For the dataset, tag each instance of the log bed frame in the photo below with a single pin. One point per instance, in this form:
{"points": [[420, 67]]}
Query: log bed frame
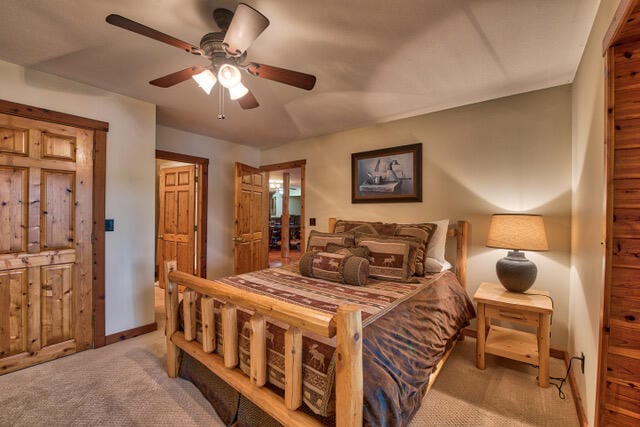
{"points": [[345, 325]]}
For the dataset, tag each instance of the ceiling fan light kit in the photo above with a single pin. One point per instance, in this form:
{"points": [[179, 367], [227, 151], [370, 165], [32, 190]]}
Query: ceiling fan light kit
{"points": [[226, 50], [237, 91], [206, 80], [229, 76]]}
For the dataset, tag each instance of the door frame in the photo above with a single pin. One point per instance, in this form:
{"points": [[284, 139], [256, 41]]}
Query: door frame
{"points": [[202, 195], [100, 129], [293, 165]]}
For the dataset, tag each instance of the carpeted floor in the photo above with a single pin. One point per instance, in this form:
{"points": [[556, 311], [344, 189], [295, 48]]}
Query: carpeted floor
{"points": [[126, 384]]}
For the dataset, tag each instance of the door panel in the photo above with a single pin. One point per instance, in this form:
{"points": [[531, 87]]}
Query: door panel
{"points": [[13, 215], [250, 231], [13, 312], [57, 203], [176, 220], [14, 140], [56, 299], [46, 196], [61, 147]]}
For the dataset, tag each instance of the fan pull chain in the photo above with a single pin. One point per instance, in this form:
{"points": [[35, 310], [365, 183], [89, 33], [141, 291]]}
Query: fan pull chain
{"points": [[221, 103]]}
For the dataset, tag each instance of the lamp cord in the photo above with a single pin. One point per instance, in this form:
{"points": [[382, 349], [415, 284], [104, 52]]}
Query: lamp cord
{"points": [[563, 380], [547, 296]]}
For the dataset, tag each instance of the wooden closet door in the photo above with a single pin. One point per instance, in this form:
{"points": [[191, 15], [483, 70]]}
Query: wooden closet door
{"points": [[619, 382], [46, 186], [177, 218], [251, 237]]}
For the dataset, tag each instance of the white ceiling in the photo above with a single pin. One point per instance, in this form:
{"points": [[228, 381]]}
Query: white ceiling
{"points": [[375, 60]]}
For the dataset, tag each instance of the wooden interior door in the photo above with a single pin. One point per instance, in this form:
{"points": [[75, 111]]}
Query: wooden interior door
{"points": [[618, 392], [177, 218], [250, 228], [46, 196]]}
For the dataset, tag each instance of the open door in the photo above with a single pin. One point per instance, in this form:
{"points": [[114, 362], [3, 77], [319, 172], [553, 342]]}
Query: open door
{"points": [[250, 230], [176, 222]]}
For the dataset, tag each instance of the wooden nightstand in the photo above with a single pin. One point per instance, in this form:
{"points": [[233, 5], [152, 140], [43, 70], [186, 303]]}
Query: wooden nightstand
{"points": [[495, 302]]}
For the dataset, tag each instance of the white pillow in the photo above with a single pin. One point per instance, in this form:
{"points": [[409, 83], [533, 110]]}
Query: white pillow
{"points": [[432, 265], [438, 240]]}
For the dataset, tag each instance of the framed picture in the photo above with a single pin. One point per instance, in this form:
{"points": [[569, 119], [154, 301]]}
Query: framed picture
{"points": [[389, 175]]}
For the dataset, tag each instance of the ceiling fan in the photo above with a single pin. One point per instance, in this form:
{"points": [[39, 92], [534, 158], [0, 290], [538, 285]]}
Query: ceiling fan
{"points": [[227, 51]]}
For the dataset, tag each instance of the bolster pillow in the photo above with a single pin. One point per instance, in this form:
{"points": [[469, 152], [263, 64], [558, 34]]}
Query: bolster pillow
{"points": [[336, 267]]}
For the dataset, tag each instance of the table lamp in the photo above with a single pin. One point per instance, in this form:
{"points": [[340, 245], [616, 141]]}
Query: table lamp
{"points": [[517, 232]]}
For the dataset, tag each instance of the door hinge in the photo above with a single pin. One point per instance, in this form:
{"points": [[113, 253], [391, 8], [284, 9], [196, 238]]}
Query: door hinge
{"points": [[195, 228], [195, 179]]}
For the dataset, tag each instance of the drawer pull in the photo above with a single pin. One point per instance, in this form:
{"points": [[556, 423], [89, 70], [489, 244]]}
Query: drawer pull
{"points": [[509, 315]]}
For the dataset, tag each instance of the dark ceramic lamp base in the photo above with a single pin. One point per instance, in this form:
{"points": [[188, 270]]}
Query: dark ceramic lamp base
{"points": [[516, 273]]}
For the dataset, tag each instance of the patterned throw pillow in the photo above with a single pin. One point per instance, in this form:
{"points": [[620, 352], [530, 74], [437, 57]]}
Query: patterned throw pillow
{"points": [[336, 267], [359, 251], [369, 227], [319, 241], [390, 258], [424, 232]]}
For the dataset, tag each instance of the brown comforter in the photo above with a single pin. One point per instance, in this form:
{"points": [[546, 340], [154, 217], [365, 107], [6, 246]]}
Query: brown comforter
{"points": [[407, 327]]}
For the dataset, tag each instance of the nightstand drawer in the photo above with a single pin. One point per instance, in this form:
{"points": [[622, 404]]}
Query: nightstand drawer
{"points": [[512, 315]]}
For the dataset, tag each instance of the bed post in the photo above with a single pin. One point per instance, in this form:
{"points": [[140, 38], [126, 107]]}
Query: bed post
{"points": [[171, 309], [349, 382], [332, 225]]}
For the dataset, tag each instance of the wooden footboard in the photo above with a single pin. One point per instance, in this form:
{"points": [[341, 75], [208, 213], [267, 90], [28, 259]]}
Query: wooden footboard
{"points": [[346, 326]]}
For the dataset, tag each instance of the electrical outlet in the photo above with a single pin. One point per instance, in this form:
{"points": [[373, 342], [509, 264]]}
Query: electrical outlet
{"points": [[582, 360]]}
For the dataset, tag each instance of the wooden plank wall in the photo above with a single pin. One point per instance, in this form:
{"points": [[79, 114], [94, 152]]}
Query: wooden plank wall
{"points": [[620, 358]]}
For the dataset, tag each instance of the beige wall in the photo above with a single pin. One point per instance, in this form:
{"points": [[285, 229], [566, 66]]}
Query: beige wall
{"points": [[588, 117], [221, 155], [507, 155], [130, 182]]}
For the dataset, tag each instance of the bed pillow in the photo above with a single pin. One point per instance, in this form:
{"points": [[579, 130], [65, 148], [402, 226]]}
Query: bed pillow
{"points": [[435, 249], [390, 258], [424, 233], [433, 265], [368, 227], [336, 267], [319, 241]]}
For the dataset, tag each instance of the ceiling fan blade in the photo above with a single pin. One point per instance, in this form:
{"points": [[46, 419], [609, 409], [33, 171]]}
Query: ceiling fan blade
{"points": [[128, 24], [282, 75], [247, 24], [248, 101], [177, 77]]}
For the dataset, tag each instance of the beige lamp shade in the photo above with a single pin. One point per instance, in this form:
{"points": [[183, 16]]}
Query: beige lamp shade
{"points": [[517, 231]]}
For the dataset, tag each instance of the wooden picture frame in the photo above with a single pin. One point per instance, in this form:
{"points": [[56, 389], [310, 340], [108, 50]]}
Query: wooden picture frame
{"points": [[388, 175]]}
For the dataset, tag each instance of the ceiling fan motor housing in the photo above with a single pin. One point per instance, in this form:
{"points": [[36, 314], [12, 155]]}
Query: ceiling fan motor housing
{"points": [[211, 44]]}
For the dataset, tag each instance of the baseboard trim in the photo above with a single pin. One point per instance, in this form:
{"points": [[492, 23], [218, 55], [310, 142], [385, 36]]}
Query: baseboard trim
{"points": [[577, 400], [553, 352], [130, 333]]}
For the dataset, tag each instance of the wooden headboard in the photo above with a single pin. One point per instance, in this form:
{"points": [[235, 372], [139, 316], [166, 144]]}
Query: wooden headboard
{"points": [[460, 231]]}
